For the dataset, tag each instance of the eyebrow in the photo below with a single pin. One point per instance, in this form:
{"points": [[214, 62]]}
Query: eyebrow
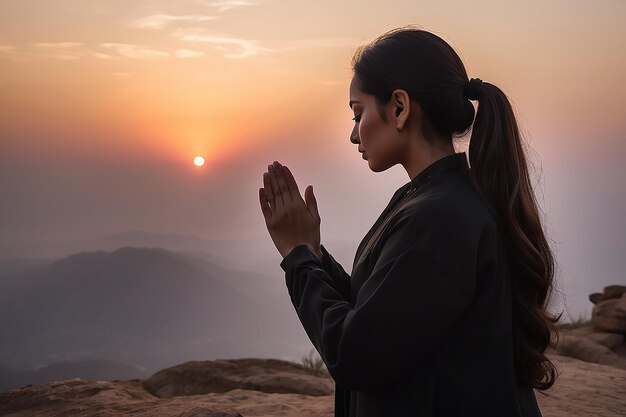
{"points": [[352, 102]]}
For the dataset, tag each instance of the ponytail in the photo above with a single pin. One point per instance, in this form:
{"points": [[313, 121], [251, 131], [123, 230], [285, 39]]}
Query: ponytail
{"points": [[500, 172]]}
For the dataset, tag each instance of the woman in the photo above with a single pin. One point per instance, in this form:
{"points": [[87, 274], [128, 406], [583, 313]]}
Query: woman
{"points": [[445, 311]]}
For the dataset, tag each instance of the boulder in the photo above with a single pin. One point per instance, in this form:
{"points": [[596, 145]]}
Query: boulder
{"points": [[222, 375], [610, 340], [614, 291], [610, 315], [588, 350], [596, 297]]}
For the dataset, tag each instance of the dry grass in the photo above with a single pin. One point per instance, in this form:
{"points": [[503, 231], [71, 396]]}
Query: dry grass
{"points": [[314, 364], [581, 321]]}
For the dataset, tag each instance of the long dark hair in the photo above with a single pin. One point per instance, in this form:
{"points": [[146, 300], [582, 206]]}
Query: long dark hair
{"points": [[431, 72]]}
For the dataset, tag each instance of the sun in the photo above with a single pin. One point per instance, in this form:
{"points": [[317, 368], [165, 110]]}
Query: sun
{"points": [[198, 161]]}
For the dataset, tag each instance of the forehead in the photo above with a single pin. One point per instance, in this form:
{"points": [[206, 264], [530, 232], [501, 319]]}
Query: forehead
{"points": [[353, 87], [355, 93]]}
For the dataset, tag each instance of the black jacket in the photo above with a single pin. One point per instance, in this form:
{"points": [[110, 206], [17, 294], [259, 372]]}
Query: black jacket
{"points": [[423, 327]]}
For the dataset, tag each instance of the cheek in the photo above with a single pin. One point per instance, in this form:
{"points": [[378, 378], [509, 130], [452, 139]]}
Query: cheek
{"points": [[368, 131]]}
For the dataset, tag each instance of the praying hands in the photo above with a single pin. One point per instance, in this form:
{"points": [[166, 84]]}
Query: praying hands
{"points": [[290, 220]]}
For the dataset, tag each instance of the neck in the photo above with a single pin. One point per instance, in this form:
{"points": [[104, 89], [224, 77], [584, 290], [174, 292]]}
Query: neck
{"points": [[419, 158]]}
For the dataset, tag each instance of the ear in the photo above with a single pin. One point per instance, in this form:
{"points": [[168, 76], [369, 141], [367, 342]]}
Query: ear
{"points": [[401, 107]]}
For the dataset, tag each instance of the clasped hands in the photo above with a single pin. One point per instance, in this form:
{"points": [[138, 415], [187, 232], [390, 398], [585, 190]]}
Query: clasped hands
{"points": [[290, 220]]}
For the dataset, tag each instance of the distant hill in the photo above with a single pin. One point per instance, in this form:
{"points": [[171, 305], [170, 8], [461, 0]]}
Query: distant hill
{"points": [[241, 254], [57, 248], [145, 307]]}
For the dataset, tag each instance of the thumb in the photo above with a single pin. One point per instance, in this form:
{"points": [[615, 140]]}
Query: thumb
{"points": [[311, 202]]}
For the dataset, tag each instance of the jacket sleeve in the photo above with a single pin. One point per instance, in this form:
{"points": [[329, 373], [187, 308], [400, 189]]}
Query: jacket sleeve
{"points": [[401, 313], [339, 276]]}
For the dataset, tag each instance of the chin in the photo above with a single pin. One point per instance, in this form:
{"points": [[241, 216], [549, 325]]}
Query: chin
{"points": [[378, 168], [374, 167]]}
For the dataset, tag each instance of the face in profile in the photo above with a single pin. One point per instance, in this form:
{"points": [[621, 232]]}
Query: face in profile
{"points": [[377, 139]]}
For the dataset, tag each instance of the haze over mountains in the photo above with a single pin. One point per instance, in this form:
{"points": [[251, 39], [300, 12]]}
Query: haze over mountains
{"points": [[132, 311], [126, 305], [57, 248]]}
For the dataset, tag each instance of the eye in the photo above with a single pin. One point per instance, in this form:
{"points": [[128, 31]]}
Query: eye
{"points": [[357, 118]]}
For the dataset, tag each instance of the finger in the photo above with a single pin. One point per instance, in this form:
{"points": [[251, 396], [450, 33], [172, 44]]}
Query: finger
{"points": [[267, 189], [282, 184], [278, 199], [265, 208], [291, 183], [311, 202]]}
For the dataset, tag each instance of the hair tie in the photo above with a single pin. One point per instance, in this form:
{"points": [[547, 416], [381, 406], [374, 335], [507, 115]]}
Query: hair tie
{"points": [[472, 89]]}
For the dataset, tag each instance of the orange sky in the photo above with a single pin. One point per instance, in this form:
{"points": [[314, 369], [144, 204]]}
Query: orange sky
{"points": [[105, 104], [202, 77]]}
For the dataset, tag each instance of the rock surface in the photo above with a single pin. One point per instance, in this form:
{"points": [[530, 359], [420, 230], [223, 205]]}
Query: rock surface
{"points": [[614, 291], [582, 389], [78, 397], [586, 343], [596, 297], [265, 375], [590, 350], [610, 315]]}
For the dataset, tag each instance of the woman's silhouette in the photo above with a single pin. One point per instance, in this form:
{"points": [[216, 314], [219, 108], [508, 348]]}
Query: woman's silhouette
{"points": [[445, 311]]}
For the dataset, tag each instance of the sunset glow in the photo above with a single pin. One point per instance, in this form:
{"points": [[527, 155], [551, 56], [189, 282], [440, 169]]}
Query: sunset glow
{"points": [[173, 77], [198, 161]]}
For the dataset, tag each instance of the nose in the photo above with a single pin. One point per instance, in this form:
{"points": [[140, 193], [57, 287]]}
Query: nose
{"points": [[354, 136]]}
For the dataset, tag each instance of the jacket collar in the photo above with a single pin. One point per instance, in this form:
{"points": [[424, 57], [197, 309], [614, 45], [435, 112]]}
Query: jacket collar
{"points": [[455, 161]]}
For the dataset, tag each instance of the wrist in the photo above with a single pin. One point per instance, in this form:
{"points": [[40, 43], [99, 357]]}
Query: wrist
{"points": [[317, 252]]}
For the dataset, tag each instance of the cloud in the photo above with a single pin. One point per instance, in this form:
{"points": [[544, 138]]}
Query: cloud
{"points": [[55, 50], [189, 53], [101, 56], [65, 57], [57, 45], [133, 51], [222, 6], [159, 21], [232, 47]]}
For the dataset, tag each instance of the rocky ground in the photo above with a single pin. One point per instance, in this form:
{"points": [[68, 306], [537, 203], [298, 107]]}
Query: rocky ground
{"points": [[267, 387], [590, 358], [584, 389]]}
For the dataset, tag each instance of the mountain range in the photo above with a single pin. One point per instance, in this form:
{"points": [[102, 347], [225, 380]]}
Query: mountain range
{"points": [[137, 310]]}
